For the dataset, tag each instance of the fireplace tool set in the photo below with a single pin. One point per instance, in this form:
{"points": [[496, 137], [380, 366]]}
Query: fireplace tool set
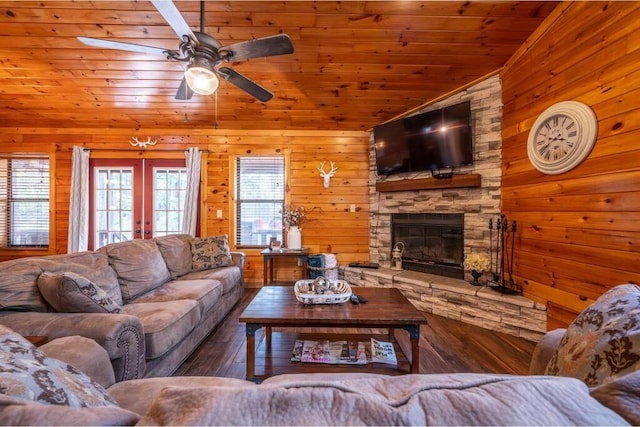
{"points": [[501, 250]]}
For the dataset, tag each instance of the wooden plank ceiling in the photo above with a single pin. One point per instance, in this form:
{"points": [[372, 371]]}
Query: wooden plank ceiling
{"points": [[356, 64]]}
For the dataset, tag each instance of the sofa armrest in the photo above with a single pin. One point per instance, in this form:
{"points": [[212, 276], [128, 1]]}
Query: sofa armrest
{"points": [[121, 335], [84, 354], [238, 259], [544, 350]]}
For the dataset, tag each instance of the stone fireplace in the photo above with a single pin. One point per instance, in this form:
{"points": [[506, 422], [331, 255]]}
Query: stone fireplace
{"points": [[475, 205], [464, 211], [433, 242]]}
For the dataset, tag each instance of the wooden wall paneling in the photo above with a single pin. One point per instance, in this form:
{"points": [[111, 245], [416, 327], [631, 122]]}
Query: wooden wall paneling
{"points": [[332, 227], [578, 231]]}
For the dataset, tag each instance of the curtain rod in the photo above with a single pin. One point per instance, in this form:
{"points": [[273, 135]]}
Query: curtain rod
{"points": [[140, 151]]}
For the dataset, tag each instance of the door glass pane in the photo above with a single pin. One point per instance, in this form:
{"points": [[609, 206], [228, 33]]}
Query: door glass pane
{"points": [[169, 193], [113, 216]]}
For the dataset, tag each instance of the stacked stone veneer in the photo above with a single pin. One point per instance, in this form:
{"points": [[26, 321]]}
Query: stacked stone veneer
{"points": [[477, 204], [453, 298], [457, 299]]}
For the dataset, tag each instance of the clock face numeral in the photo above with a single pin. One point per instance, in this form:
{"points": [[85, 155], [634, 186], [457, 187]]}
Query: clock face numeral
{"points": [[556, 137]]}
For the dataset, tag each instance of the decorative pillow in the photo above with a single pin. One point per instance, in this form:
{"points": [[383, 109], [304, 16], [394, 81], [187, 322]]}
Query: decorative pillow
{"points": [[622, 395], [71, 293], [210, 252], [603, 342], [92, 265], [27, 373]]}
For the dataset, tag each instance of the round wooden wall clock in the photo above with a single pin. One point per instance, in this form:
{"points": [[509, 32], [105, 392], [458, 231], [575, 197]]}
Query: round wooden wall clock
{"points": [[562, 137]]}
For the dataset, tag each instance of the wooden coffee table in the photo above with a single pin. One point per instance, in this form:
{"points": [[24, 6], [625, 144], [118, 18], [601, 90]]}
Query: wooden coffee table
{"points": [[276, 306]]}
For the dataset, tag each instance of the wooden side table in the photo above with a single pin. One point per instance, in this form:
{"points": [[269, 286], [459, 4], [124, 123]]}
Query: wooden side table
{"points": [[269, 256]]}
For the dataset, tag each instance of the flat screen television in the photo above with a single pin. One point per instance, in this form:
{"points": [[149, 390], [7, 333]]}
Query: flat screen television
{"points": [[431, 141]]}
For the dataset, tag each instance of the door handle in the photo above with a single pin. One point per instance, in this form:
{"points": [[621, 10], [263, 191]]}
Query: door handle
{"points": [[138, 231], [147, 232]]}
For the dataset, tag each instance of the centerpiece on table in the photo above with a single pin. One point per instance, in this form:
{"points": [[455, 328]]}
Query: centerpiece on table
{"points": [[477, 264], [292, 218]]}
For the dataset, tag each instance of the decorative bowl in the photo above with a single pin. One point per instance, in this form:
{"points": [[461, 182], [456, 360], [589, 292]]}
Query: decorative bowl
{"points": [[322, 291]]}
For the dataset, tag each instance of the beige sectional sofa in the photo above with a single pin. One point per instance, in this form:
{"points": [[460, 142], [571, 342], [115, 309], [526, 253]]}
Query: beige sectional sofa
{"points": [[309, 399], [148, 303], [588, 374]]}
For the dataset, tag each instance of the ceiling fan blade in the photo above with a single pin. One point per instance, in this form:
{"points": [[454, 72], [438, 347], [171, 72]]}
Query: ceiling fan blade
{"points": [[184, 92], [109, 44], [249, 86], [173, 17], [279, 44]]}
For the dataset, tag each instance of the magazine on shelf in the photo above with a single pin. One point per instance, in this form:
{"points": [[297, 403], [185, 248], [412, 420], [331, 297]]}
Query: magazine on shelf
{"points": [[383, 352], [343, 352]]}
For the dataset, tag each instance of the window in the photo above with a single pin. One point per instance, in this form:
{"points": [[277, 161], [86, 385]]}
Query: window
{"points": [[260, 199], [24, 201]]}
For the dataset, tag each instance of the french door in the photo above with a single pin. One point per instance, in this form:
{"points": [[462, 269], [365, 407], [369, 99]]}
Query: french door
{"points": [[135, 199]]}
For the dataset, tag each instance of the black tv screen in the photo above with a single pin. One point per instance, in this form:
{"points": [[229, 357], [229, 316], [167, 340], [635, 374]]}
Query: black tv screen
{"points": [[435, 140]]}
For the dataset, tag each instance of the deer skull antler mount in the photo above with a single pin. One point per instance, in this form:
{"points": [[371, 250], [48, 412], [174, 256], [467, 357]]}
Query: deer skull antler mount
{"points": [[142, 144], [326, 176]]}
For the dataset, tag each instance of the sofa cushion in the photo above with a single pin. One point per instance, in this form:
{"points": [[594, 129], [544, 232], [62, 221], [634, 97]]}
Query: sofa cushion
{"points": [[460, 399], [92, 265], [27, 373], [210, 252], [71, 293], [622, 394], [18, 288], [138, 395], [139, 266], [165, 324], [230, 277], [176, 251], [206, 292], [603, 342]]}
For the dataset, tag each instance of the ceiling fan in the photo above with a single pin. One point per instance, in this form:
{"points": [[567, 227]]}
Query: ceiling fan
{"points": [[204, 54]]}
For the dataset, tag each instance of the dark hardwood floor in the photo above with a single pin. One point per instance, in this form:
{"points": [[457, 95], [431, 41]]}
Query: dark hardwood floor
{"points": [[446, 346]]}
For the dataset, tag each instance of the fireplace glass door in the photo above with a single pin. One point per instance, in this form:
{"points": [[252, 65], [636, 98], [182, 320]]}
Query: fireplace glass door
{"points": [[433, 243]]}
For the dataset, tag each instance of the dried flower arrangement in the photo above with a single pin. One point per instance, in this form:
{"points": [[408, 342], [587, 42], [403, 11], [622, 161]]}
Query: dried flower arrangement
{"points": [[293, 216], [476, 261]]}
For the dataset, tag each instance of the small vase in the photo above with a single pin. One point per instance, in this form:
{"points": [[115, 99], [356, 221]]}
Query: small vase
{"points": [[294, 237], [476, 275]]}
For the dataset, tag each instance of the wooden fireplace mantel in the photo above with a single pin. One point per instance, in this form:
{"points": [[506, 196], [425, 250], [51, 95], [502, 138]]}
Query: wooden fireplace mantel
{"points": [[456, 181]]}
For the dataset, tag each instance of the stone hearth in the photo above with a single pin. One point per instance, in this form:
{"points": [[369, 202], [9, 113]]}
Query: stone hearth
{"points": [[456, 299]]}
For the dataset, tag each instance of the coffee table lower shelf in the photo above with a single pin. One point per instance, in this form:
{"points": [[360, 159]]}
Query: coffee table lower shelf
{"points": [[275, 359]]}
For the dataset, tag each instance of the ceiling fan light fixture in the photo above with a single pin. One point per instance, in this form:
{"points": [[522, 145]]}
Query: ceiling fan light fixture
{"points": [[200, 77]]}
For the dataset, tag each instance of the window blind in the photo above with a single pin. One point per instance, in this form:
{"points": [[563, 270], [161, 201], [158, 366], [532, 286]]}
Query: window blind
{"points": [[260, 199], [24, 201]]}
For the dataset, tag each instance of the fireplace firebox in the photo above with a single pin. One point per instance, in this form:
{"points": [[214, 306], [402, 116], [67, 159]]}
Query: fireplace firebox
{"points": [[433, 242]]}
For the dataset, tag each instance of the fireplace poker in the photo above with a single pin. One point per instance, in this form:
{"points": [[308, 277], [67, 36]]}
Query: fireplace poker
{"points": [[496, 275], [503, 231], [491, 245], [513, 237]]}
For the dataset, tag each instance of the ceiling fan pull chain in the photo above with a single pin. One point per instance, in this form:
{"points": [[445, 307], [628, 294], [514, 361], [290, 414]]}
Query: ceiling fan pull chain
{"points": [[215, 120]]}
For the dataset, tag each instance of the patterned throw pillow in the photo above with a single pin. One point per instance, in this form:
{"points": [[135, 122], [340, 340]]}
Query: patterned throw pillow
{"points": [[27, 373], [603, 342], [72, 293], [210, 252]]}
